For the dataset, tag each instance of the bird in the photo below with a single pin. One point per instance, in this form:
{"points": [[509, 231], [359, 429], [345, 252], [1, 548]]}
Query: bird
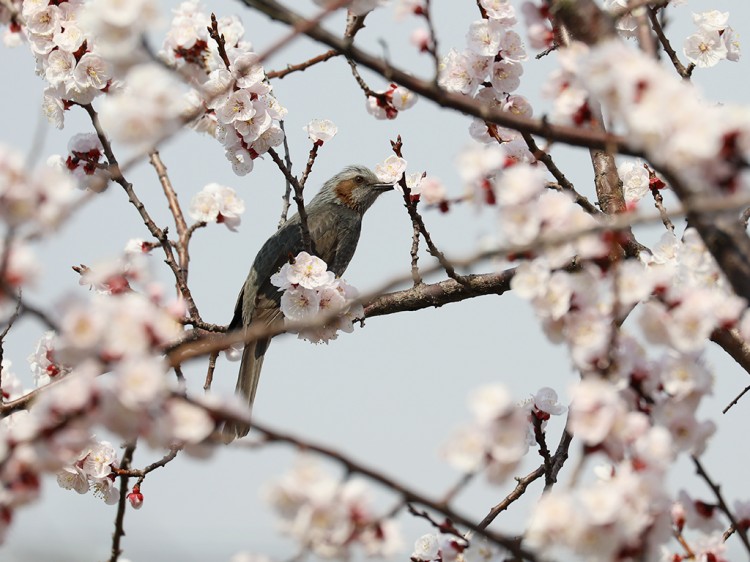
{"points": [[334, 221]]}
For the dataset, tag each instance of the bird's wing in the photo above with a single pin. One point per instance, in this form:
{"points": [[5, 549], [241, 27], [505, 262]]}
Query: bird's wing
{"points": [[286, 242]]}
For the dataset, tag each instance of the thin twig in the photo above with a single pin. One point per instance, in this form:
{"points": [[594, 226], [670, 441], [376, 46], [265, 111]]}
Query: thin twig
{"points": [[414, 252], [432, 48], [547, 51], [446, 527], [543, 449], [301, 67], [518, 491], [310, 161], [301, 26], [659, 204], [416, 218], [183, 233], [210, 371], [736, 399], [119, 531], [684, 72], [156, 232], [143, 472], [454, 490], [298, 198], [565, 185], [288, 185], [213, 32], [722, 504]]}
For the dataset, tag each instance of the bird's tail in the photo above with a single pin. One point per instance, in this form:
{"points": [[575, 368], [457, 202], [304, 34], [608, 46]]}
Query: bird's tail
{"points": [[247, 384]]}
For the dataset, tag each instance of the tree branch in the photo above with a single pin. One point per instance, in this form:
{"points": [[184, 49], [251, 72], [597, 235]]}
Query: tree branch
{"points": [[427, 89]]}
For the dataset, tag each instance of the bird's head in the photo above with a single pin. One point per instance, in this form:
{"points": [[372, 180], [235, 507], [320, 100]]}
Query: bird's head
{"points": [[355, 187]]}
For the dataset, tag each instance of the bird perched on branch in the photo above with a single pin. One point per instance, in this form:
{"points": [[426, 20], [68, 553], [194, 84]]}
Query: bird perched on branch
{"points": [[334, 220]]}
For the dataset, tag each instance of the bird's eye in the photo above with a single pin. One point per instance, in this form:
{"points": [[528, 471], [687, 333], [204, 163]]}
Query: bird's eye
{"points": [[359, 179]]}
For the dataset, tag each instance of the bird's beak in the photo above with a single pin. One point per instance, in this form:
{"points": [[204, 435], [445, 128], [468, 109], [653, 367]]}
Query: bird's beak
{"points": [[382, 186]]}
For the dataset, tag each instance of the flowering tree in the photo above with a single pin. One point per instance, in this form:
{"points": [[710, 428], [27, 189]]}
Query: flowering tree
{"points": [[635, 313]]}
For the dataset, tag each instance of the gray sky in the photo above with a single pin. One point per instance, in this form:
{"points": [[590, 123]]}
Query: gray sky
{"points": [[389, 394]]}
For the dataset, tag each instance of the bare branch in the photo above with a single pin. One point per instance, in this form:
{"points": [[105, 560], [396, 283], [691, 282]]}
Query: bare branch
{"points": [[301, 67], [715, 488], [298, 198], [684, 72], [119, 531]]}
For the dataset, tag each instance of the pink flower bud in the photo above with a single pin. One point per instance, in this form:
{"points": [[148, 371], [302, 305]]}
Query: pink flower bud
{"points": [[135, 497]]}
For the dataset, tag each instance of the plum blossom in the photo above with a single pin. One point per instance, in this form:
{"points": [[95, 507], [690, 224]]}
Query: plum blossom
{"points": [[635, 180], [427, 189], [219, 204], [320, 130], [426, 548], [499, 10], [705, 48], [519, 184], [484, 37], [391, 170], [308, 271], [505, 76], [713, 20], [386, 105]]}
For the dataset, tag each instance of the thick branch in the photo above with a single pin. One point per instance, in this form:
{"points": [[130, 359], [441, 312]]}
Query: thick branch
{"points": [[438, 294]]}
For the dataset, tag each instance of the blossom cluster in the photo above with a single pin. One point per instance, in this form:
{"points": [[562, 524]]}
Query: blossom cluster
{"points": [[108, 371], [644, 413], [40, 198], [490, 70], [66, 55], [703, 144], [232, 99], [529, 211], [310, 290], [714, 41], [331, 517], [501, 433], [93, 470]]}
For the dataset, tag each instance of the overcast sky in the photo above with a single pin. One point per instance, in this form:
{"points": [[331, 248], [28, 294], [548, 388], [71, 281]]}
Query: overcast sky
{"points": [[389, 394]]}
